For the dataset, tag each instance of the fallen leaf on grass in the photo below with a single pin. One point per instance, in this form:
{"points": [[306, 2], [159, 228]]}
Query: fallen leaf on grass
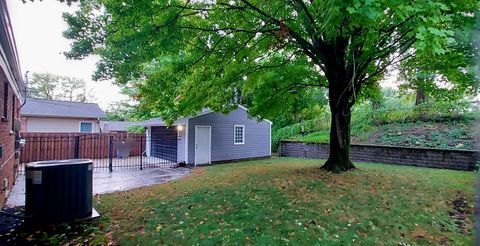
{"points": [[419, 233]]}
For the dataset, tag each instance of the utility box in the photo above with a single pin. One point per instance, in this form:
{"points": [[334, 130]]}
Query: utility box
{"points": [[58, 191]]}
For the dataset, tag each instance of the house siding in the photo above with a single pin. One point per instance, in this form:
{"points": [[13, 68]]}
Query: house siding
{"points": [[257, 136], [46, 124]]}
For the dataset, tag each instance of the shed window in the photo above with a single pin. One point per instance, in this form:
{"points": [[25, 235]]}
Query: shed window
{"points": [[86, 127], [239, 134]]}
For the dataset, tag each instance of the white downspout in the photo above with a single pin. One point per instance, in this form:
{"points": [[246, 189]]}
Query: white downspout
{"points": [[186, 141]]}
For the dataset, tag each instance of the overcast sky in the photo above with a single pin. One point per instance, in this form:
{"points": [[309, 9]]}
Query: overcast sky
{"points": [[38, 28], [38, 31]]}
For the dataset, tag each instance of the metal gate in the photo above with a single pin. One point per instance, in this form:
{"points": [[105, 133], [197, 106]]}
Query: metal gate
{"points": [[108, 151]]}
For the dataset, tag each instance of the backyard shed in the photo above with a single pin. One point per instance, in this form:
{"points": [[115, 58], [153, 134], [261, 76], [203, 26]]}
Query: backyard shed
{"points": [[209, 137]]}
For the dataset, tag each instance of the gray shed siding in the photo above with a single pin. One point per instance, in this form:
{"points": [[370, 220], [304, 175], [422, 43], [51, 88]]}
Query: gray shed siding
{"points": [[257, 136]]}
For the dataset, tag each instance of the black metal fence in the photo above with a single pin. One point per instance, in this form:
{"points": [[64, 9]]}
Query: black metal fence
{"points": [[108, 151]]}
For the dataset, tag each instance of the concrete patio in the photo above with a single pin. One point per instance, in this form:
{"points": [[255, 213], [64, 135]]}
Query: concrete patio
{"points": [[106, 182]]}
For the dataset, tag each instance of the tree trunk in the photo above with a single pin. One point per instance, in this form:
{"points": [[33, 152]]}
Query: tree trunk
{"points": [[376, 104], [341, 94], [421, 97], [339, 158]]}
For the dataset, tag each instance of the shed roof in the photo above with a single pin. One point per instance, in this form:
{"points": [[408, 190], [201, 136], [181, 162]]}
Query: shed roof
{"points": [[62, 109], [116, 126], [160, 122]]}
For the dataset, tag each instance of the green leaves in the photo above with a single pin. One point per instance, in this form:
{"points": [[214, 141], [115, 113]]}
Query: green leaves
{"points": [[266, 54], [447, 72]]}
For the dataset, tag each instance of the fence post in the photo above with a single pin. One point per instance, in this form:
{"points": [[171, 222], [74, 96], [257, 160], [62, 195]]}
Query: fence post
{"points": [[110, 153], [76, 146], [141, 153]]}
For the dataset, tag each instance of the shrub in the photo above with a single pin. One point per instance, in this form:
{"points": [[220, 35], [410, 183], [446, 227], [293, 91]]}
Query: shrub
{"points": [[309, 126], [365, 118]]}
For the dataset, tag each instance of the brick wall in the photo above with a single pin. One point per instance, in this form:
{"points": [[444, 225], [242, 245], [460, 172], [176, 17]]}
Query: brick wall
{"points": [[8, 161], [423, 157]]}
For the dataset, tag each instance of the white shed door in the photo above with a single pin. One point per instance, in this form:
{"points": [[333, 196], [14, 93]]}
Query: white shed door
{"points": [[202, 144]]}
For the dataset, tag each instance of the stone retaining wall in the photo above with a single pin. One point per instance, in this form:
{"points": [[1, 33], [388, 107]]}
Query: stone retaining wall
{"points": [[422, 157]]}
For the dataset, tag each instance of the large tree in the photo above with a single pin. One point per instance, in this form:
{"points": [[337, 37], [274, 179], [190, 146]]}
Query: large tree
{"points": [[193, 54]]}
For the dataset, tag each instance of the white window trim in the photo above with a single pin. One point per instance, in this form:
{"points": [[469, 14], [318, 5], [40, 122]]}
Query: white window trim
{"points": [[243, 134], [80, 126]]}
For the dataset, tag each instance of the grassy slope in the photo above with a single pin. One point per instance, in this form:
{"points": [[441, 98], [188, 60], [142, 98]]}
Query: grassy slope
{"points": [[449, 135], [290, 200]]}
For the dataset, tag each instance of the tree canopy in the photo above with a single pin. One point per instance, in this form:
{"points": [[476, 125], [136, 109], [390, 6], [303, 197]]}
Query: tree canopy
{"points": [[195, 54], [453, 75]]}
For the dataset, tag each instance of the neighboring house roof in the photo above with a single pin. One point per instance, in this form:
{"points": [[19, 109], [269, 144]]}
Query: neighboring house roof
{"points": [[62, 109], [9, 63], [160, 122], [115, 126]]}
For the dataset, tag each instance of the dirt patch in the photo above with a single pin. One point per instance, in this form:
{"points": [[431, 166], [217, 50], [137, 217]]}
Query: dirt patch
{"points": [[373, 138], [419, 234], [461, 212]]}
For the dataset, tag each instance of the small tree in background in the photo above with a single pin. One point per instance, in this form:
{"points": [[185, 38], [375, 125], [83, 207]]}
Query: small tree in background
{"points": [[54, 87], [129, 109], [451, 76], [43, 85]]}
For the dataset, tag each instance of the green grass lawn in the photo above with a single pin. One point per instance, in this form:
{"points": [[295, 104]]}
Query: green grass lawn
{"points": [[291, 201]]}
